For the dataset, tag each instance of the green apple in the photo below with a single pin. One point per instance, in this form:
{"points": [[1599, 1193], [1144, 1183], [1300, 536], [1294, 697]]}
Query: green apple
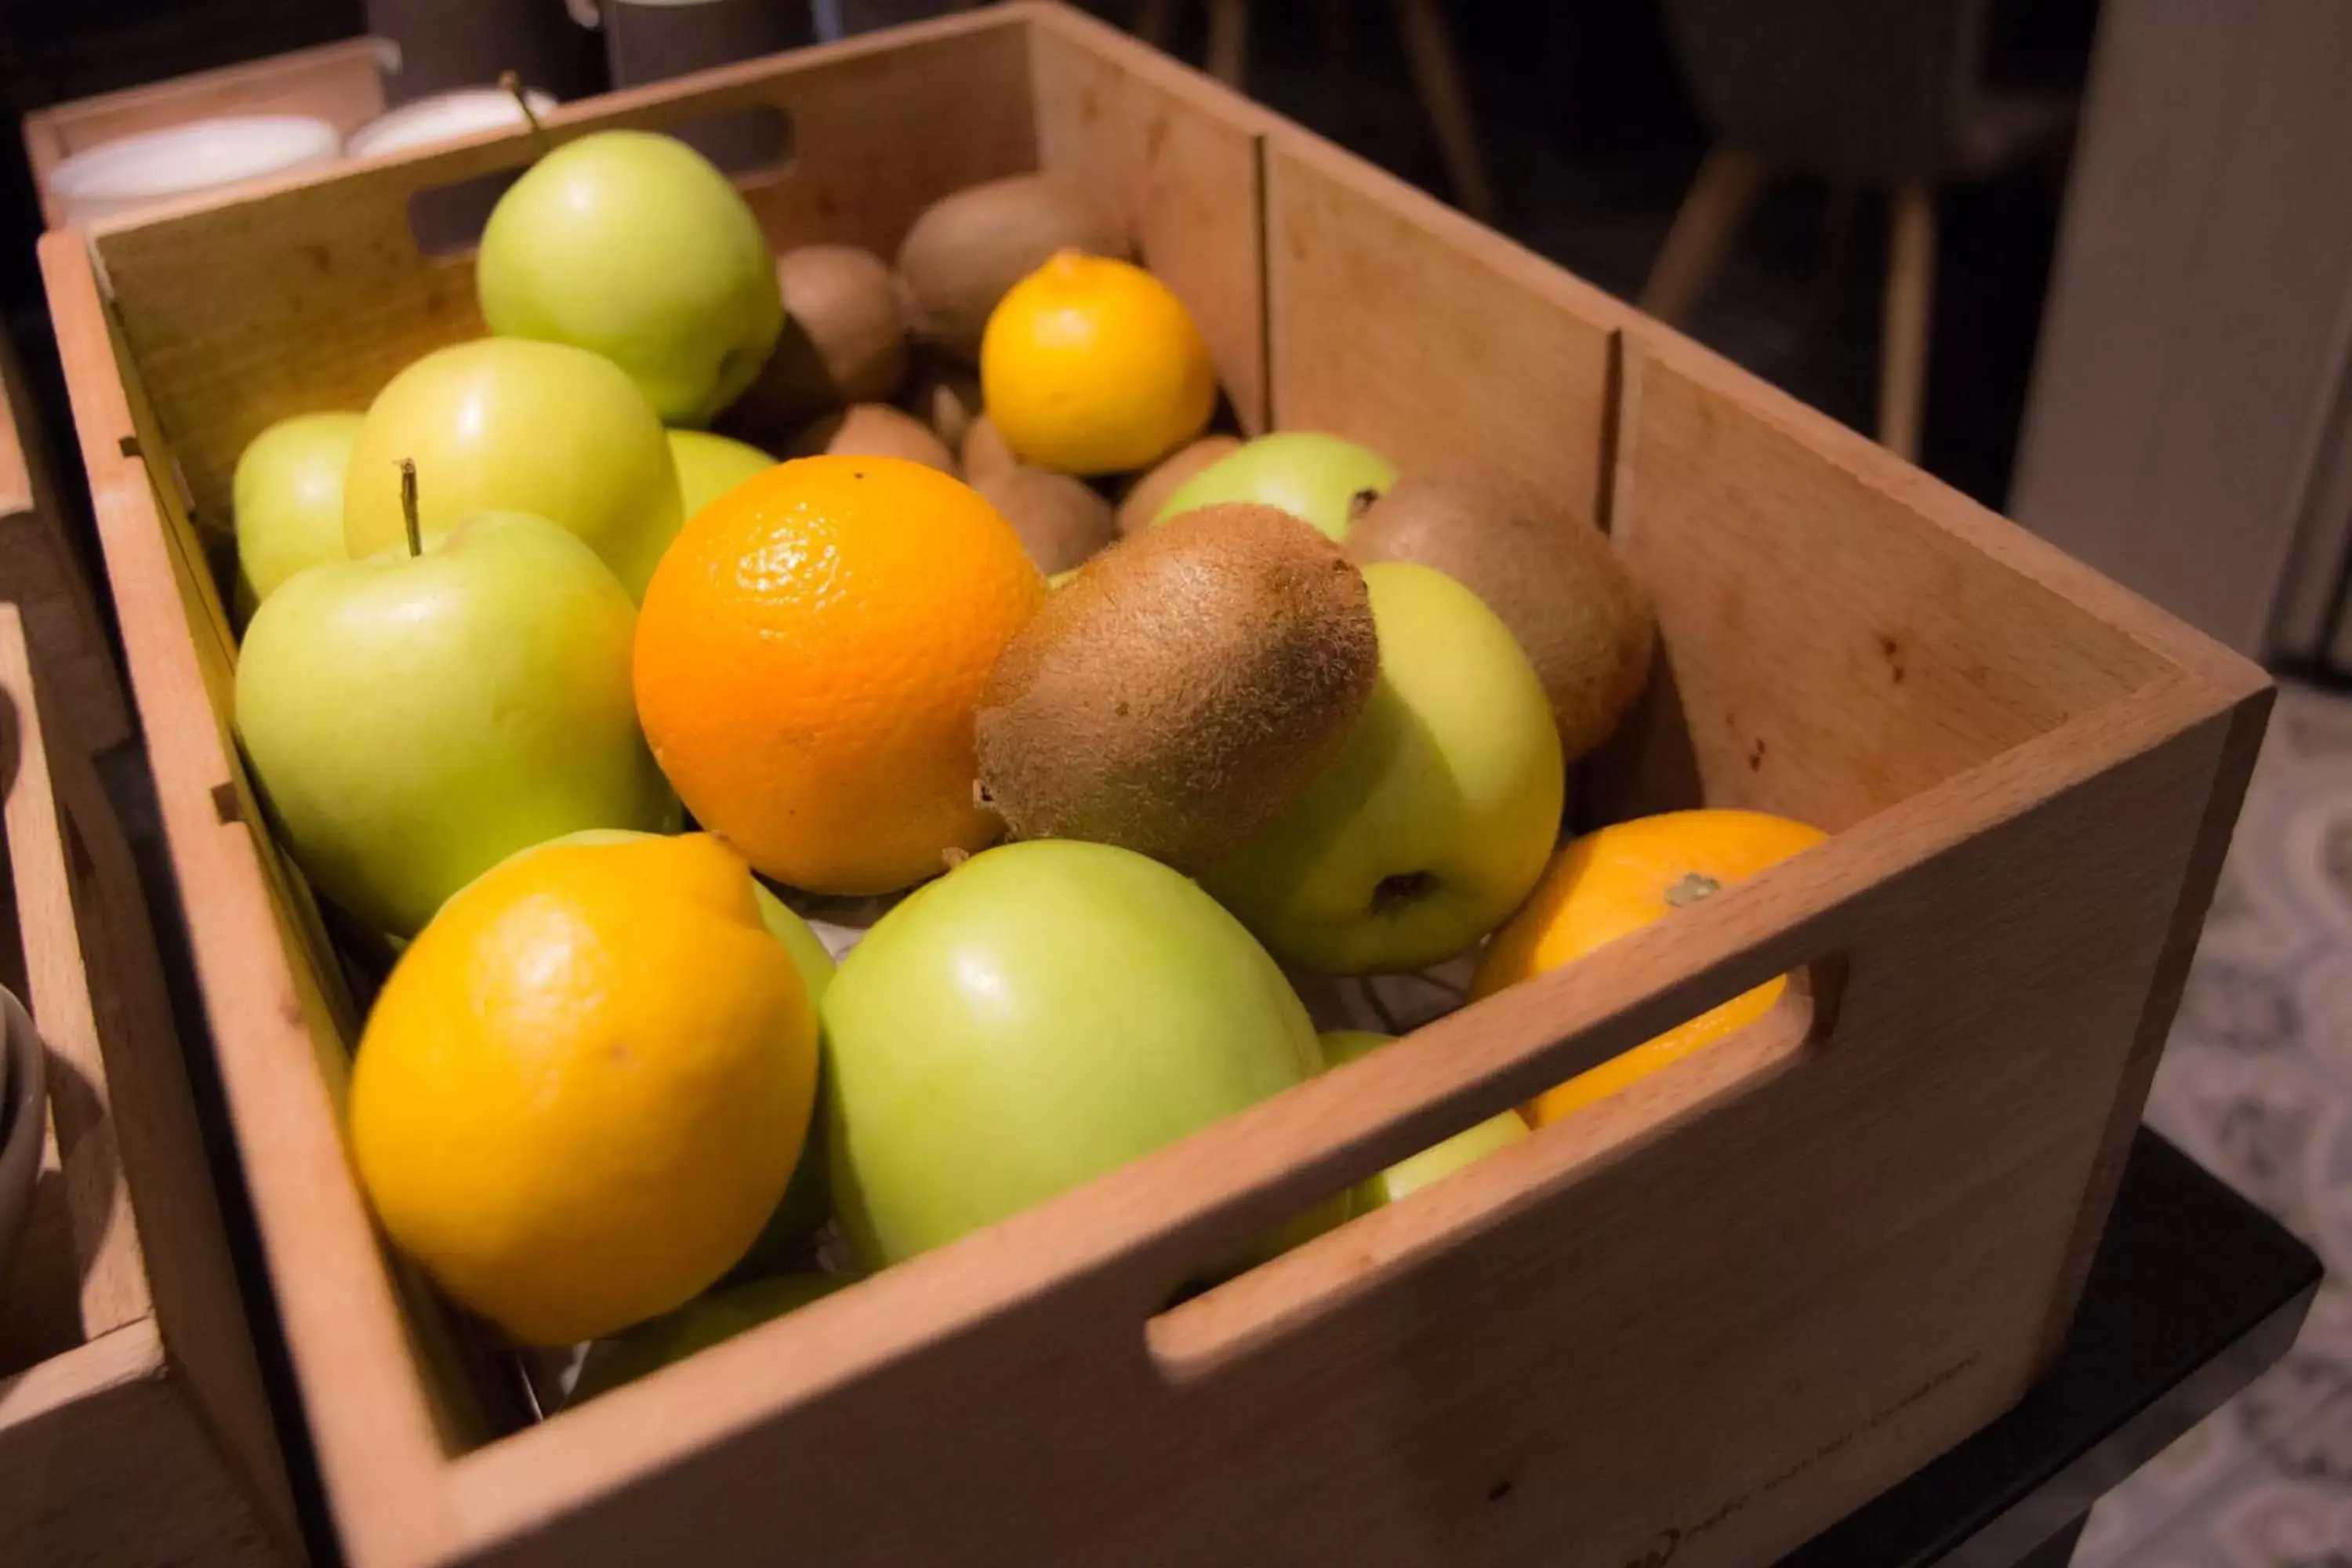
{"points": [[635, 245], [1307, 473], [500, 424], [413, 720], [287, 497], [1437, 1161], [700, 1325], [1440, 812], [1043, 1013], [709, 465]]}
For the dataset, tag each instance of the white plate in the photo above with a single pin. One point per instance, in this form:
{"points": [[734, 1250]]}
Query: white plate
{"points": [[444, 116], [137, 171]]}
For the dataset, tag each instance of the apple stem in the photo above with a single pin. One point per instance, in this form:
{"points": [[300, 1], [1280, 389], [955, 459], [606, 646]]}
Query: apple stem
{"points": [[511, 81], [408, 507]]}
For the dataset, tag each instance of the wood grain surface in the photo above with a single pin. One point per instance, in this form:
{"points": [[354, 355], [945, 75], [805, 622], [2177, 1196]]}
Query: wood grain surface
{"points": [[150, 1438]]}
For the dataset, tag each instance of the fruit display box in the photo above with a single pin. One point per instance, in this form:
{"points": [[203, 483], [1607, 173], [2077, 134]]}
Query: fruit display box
{"points": [[134, 1427], [1696, 1321]]}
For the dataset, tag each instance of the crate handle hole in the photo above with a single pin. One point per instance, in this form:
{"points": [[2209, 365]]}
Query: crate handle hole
{"points": [[1316, 1261]]}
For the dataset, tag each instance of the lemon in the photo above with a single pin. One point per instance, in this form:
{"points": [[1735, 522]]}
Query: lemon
{"points": [[585, 1085], [1093, 366]]}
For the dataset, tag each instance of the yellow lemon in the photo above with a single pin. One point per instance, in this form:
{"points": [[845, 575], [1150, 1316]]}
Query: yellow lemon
{"points": [[585, 1085], [1093, 366], [1617, 880]]}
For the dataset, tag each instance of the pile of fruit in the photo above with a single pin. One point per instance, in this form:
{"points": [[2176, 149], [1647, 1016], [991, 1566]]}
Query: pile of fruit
{"points": [[1231, 712]]}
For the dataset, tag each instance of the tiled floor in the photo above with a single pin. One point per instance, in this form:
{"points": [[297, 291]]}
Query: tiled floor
{"points": [[2257, 1084]]}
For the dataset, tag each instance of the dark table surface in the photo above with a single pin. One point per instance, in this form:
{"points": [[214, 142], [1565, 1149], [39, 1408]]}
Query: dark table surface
{"points": [[2193, 1293]]}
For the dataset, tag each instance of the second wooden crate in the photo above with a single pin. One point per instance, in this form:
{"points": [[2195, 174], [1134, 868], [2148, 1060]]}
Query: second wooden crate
{"points": [[133, 1427]]}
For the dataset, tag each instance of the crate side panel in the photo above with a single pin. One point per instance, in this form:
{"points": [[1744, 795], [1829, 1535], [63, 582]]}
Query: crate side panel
{"points": [[880, 135], [1177, 156], [1723, 1338], [1401, 325], [1827, 649]]}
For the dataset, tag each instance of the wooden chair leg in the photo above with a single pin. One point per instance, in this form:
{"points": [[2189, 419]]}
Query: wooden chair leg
{"points": [[1719, 201], [1910, 307], [1229, 41], [1155, 21], [1437, 73]]}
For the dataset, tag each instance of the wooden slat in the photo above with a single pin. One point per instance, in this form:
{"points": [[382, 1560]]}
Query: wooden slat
{"points": [[1400, 324], [268, 1014], [83, 1114], [103, 1461], [1825, 692], [1163, 145], [2240, 743], [961, 101], [41, 573], [1939, 508]]}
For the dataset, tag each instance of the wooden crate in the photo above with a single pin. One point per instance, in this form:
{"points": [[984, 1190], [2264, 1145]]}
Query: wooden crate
{"points": [[132, 1424], [1696, 1322], [334, 82]]}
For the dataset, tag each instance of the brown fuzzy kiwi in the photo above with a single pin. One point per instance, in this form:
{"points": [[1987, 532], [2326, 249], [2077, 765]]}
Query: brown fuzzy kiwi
{"points": [[1150, 492], [1585, 623], [985, 454], [944, 397], [1061, 521], [874, 430], [967, 249], [1179, 693], [844, 341]]}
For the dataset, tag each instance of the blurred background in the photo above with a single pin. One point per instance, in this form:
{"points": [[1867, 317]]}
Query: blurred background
{"points": [[2083, 268], [2090, 263]]}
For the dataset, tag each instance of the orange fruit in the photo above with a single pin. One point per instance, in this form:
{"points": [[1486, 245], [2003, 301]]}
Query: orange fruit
{"points": [[809, 658], [585, 1085], [1617, 880], [1093, 366]]}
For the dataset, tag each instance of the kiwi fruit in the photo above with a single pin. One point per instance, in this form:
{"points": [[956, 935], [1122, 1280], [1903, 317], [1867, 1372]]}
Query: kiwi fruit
{"points": [[874, 430], [1181, 692], [968, 249], [1061, 521], [1548, 575], [1151, 491], [844, 340], [946, 397], [986, 453]]}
